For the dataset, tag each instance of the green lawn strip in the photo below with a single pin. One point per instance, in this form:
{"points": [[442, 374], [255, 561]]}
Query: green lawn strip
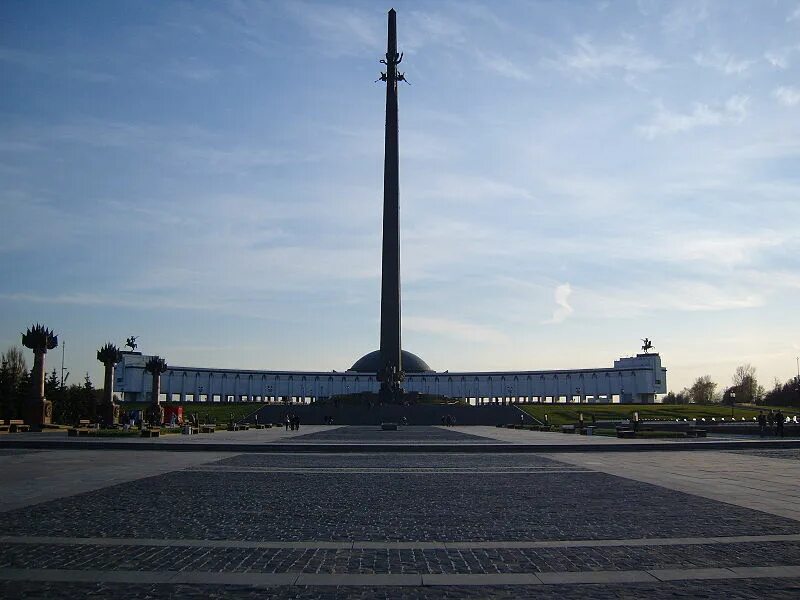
{"points": [[564, 414], [644, 434]]}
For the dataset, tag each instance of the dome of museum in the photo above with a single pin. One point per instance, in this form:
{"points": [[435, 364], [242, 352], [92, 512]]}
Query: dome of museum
{"points": [[371, 363]]}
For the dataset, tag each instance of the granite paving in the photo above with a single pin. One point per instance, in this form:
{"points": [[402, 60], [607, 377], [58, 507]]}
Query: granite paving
{"points": [[793, 454], [402, 561], [394, 461], [388, 506], [373, 433], [415, 504], [16, 451], [739, 589]]}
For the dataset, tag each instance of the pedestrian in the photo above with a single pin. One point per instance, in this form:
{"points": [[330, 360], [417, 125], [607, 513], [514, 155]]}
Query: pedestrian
{"points": [[296, 422], [521, 419], [288, 421], [779, 423], [762, 423]]}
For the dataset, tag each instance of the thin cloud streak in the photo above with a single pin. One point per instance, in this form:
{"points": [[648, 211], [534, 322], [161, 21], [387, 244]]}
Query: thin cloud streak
{"points": [[666, 122]]}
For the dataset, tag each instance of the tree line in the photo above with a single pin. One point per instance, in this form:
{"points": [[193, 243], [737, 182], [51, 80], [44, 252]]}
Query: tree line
{"points": [[744, 389], [70, 402]]}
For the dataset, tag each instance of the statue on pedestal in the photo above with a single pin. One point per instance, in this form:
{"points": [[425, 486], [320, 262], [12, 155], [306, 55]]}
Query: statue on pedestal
{"points": [[38, 410], [156, 366], [109, 355]]}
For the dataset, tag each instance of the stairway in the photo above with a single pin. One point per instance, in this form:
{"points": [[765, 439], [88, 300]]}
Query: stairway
{"points": [[420, 414]]}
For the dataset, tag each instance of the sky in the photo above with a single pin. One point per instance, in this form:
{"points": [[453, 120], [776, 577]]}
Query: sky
{"points": [[574, 176]]}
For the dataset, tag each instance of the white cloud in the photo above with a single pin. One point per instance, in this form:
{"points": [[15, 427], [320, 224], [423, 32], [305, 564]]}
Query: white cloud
{"points": [[563, 309], [779, 60], [592, 59], [666, 122], [428, 28], [794, 15], [502, 66], [343, 29], [788, 96], [724, 62], [684, 17]]}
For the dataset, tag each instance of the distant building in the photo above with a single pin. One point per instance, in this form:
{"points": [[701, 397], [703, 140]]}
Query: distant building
{"points": [[636, 379]]}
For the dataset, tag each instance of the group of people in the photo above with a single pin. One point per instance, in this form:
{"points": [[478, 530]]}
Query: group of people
{"points": [[773, 419], [448, 420], [292, 422]]}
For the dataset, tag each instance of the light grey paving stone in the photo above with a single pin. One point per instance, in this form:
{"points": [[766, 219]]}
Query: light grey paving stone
{"points": [[482, 579], [399, 545], [684, 574], [780, 571], [577, 577], [359, 579], [266, 579], [752, 538], [390, 545]]}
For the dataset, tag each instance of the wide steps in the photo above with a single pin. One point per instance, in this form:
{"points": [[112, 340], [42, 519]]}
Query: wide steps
{"points": [[420, 414]]}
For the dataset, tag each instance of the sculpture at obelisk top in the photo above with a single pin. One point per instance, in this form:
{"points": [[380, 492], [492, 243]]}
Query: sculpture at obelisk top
{"points": [[391, 371]]}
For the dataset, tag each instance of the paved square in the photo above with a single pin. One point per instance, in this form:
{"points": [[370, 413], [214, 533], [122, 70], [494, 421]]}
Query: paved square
{"points": [[144, 524], [364, 433]]}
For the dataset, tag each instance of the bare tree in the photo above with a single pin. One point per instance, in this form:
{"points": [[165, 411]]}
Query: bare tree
{"points": [[743, 373], [14, 358], [745, 384]]}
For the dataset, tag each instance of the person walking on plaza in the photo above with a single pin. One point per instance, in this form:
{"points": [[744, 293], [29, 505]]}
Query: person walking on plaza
{"points": [[762, 423], [779, 423], [288, 421]]}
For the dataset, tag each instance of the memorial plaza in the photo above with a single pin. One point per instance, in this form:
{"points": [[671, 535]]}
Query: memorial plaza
{"points": [[418, 512], [127, 497]]}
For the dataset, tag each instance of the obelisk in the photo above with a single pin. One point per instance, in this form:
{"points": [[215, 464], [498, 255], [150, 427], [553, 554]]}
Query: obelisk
{"points": [[391, 373]]}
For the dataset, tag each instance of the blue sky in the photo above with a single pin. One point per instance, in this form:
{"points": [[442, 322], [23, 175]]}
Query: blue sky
{"points": [[575, 176]]}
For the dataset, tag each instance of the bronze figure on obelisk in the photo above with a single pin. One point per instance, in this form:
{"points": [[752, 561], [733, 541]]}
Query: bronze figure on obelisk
{"points": [[391, 371]]}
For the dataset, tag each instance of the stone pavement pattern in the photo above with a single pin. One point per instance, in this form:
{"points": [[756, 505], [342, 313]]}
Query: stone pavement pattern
{"points": [[395, 525]]}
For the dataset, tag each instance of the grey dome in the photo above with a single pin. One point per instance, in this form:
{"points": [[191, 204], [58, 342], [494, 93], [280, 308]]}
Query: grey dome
{"points": [[371, 363]]}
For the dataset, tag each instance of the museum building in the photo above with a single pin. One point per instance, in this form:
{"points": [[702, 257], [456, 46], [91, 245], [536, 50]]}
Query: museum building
{"points": [[636, 379]]}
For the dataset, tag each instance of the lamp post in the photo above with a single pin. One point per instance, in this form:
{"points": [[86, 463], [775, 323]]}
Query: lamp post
{"points": [[733, 402]]}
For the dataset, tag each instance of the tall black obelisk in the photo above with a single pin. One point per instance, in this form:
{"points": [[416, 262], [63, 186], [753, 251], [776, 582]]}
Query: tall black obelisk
{"points": [[391, 373]]}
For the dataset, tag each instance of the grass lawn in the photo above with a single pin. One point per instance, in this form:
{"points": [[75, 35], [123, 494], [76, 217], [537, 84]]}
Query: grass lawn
{"points": [[564, 414], [645, 435], [206, 411]]}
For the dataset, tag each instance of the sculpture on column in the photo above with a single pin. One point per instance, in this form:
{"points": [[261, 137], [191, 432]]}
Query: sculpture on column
{"points": [[109, 355], [38, 410], [156, 366]]}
